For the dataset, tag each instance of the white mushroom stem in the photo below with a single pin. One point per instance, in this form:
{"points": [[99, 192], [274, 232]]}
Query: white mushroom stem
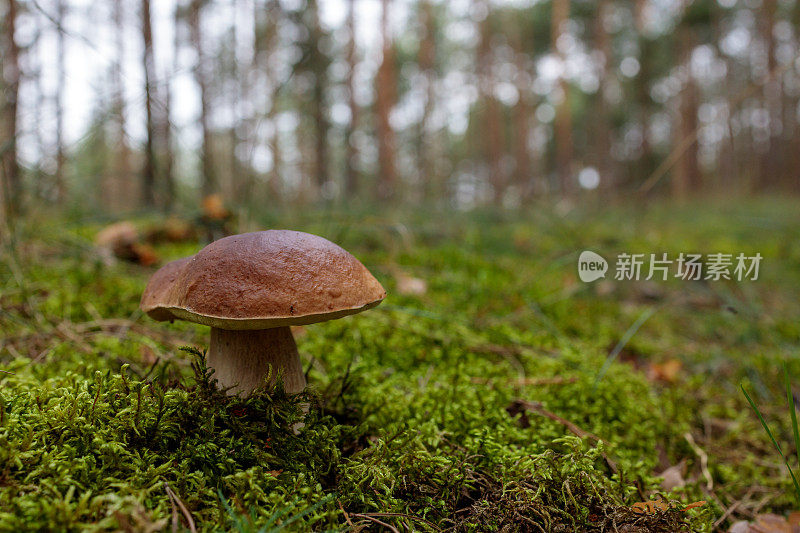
{"points": [[241, 359]]}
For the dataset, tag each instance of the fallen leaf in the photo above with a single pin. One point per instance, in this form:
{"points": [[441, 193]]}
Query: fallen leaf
{"points": [[650, 507], [673, 476], [668, 371], [659, 505], [410, 286], [768, 523], [148, 355], [214, 207], [117, 234]]}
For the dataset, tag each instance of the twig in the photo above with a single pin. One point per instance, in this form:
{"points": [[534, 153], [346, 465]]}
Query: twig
{"points": [[538, 408], [703, 461], [521, 382], [174, 511], [729, 511], [412, 517], [384, 524], [184, 510], [346, 516]]}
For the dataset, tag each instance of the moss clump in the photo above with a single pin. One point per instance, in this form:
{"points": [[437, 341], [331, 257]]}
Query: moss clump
{"points": [[99, 453]]}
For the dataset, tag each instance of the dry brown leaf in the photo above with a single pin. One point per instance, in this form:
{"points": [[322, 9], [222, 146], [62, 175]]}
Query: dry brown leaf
{"points": [[214, 207], [659, 505], [650, 507], [668, 371]]}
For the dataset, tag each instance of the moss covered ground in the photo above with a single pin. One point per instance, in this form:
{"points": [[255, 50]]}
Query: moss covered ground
{"points": [[487, 402]]}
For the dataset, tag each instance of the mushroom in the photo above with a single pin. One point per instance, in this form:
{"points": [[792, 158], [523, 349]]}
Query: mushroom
{"points": [[250, 289]]}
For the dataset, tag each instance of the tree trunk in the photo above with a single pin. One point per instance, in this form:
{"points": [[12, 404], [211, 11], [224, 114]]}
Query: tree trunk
{"points": [[117, 188], [770, 166], [62, 76], [319, 69], [562, 126], [522, 114], [11, 185], [427, 66], [646, 162], [602, 130], [492, 119], [150, 165], [168, 155], [209, 182], [351, 178], [686, 176], [384, 102]]}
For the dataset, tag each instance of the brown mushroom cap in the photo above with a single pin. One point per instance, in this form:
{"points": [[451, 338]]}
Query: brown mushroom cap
{"points": [[262, 280]]}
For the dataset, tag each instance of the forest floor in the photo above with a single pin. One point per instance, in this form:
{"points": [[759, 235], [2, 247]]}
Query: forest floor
{"points": [[492, 390]]}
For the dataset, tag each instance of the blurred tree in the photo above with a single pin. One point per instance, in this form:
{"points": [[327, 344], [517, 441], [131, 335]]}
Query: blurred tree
{"points": [[601, 125], [150, 163], [351, 171], [318, 63], [167, 155], [770, 156], [522, 118], [427, 67], [492, 120], [117, 186], [11, 190], [193, 17], [562, 126], [642, 82], [686, 174], [311, 74], [385, 98], [61, 54]]}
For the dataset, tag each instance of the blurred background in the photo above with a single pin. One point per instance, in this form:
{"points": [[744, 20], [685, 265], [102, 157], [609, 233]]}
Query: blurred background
{"points": [[111, 106]]}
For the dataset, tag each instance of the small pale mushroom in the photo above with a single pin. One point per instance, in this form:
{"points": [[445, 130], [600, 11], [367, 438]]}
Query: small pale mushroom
{"points": [[250, 289]]}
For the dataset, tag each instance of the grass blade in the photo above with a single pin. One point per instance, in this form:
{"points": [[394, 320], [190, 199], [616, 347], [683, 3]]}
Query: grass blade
{"points": [[793, 411], [774, 442]]}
